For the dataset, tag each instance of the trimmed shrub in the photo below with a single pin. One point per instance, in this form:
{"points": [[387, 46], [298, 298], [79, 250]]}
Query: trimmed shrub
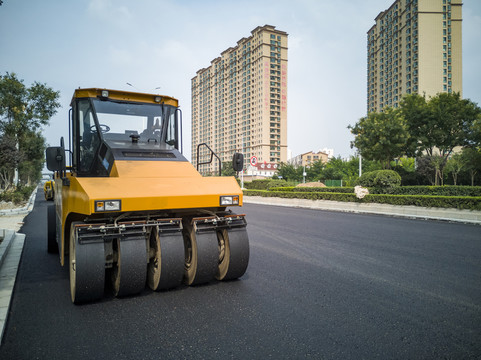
{"points": [[447, 190], [18, 196], [380, 178], [387, 179], [343, 190], [457, 202], [367, 179], [266, 184]]}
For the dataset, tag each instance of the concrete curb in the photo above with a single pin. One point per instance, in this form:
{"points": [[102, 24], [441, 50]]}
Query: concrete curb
{"points": [[413, 212], [8, 274], [23, 210], [7, 236]]}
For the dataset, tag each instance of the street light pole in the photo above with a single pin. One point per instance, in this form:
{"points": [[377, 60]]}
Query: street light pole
{"points": [[360, 165]]}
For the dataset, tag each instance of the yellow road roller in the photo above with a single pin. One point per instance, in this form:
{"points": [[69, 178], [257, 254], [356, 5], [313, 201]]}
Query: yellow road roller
{"points": [[48, 190], [131, 209]]}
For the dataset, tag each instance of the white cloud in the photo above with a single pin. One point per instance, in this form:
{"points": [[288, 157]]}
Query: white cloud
{"points": [[107, 11], [119, 57]]}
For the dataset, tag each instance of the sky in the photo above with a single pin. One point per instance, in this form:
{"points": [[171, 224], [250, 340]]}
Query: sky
{"points": [[157, 46]]}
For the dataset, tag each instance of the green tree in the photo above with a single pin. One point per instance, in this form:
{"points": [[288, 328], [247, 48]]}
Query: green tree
{"points": [[381, 136], [346, 170], [24, 110], [454, 165], [472, 159], [227, 169], [289, 173], [314, 171], [10, 157], [425, 168], [438, 125], [334, 169], [33, 152], [476, 133]]}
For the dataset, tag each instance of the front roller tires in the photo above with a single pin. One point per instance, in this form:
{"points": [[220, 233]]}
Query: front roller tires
{"points": [[201, 255], [161, 253], [130, 269], [220, 252], [86, 268], [166, 267], [233, 253], [52, 247]]}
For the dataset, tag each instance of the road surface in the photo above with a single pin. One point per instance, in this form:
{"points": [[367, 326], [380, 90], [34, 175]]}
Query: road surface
{"points": [[319, 285]]}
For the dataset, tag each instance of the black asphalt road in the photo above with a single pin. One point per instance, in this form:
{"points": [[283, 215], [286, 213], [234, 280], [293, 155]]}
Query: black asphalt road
{"points": [[319, 285]]}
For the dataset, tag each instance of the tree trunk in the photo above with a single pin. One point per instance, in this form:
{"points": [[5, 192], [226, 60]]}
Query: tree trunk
{"points": [[15, 176]]}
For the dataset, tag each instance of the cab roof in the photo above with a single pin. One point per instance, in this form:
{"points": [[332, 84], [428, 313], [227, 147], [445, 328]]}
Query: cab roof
{"points": [[122, 95]]}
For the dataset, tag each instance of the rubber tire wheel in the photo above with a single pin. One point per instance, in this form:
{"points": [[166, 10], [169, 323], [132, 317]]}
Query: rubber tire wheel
{"points": [[130, 270], [86, 269], [166, 268], [52, 246], [224, 254], [201, 256], [238, 253]]}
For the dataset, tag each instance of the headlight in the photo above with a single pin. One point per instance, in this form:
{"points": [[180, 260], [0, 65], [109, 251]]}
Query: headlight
{"points": [[229, 200], [107, 205]]}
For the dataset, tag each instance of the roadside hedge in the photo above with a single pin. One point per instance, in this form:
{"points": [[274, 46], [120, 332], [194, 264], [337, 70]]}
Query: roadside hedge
{"points": [[266, 184], [457, 202], [448, 190], [430, 190], [337, 189]]}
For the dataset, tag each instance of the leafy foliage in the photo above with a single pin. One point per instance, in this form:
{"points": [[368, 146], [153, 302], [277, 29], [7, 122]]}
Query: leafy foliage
{"points": [[387, 179], [23, 111], [266, 184], [17, 196], [380, 179], [433, 127], [472, 160], [381, 136], [227, 169]]}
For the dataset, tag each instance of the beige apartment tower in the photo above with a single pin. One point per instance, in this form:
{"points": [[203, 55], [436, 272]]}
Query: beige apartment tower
{"points": [[414, 47], [239, 103]]}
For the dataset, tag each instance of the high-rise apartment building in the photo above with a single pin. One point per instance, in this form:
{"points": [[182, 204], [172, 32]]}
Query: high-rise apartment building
{"points": [[414, 47], [239, 103]]}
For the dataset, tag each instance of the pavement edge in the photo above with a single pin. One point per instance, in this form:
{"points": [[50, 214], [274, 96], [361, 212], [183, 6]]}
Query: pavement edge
{"points": [[8, 273], [412, 212]]}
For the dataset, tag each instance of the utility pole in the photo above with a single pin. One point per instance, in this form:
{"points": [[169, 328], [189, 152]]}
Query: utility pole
{"points": [[360, 165], [243, 162]]}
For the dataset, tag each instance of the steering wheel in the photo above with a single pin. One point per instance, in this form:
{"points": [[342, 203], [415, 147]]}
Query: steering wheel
{"points": [[103, 128]]}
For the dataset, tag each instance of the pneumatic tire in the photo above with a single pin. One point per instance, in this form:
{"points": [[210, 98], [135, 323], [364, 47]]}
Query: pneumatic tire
{"points": [[52, 247]]}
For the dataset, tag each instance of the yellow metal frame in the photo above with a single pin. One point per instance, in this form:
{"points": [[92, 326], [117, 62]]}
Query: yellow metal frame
{"points": [[139, 185], [125, 96]]}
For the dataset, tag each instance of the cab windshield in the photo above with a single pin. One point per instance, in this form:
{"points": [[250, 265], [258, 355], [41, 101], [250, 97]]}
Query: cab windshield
{"points": [[123, 121]]}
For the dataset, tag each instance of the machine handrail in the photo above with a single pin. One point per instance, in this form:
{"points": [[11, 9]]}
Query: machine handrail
{"points": [[212, 154]]}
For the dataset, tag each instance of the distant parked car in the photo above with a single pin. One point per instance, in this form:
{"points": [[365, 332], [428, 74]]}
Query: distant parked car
{"points": [[48, 190]]}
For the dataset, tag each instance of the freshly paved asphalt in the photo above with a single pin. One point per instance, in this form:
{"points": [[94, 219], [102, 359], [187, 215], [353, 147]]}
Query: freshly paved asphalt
{"points": [[319, 285]]}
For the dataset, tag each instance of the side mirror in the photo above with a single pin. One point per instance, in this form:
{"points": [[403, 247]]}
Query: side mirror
{"points": [[55, 156], [238, 162]]}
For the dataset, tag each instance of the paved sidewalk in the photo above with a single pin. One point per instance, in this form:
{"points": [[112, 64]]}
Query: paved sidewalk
{"points": [[10, 252], [414, 212], [11, 247]]}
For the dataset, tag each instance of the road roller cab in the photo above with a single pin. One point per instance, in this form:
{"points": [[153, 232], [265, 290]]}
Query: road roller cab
{"points": [[131, 208]]}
